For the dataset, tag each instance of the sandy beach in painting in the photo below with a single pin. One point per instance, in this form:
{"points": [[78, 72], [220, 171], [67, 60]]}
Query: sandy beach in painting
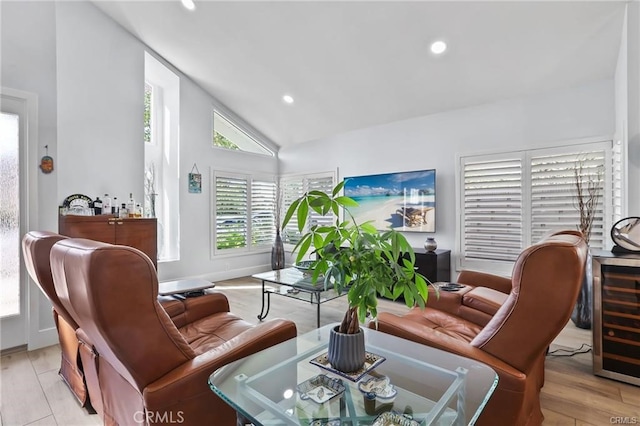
{"points": [[387, 215]]}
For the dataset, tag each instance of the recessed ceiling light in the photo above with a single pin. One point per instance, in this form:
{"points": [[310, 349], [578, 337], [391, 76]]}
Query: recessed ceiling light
{"points": [[287, 99], [438, 47], [189, 4]]}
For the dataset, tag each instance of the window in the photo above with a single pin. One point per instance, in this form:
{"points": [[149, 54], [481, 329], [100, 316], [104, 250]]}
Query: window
{"points": [[230, 136], [161, 155], [244, 212], [509, 201], [294, 187], [148, 101]]}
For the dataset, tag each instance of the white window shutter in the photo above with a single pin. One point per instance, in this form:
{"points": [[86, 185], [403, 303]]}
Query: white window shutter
{"points": [[324, 184], [553, 193], [231, 204], [510, 200], [263, 203], [492, 209], [293, 188]]}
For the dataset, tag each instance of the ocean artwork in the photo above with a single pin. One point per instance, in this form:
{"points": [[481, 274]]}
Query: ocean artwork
{"points": [[404, 201]]}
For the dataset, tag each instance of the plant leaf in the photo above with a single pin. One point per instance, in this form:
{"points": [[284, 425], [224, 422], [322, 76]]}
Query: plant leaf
{"points": [[292, 208], [305, 243], [338, 187], [303, 210], [346, 201]]}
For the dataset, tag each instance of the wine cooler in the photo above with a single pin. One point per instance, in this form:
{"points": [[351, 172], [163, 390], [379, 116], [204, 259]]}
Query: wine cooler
{"points": [[616, 316]]}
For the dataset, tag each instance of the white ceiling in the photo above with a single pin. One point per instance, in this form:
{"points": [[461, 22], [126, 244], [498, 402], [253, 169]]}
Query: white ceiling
{"points": [[356, 64]]}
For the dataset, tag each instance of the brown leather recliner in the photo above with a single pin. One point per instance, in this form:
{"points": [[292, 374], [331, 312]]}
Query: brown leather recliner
{"points": [[477, 301], [149, 370], [545, 284], [36, 247], [78, 358]]}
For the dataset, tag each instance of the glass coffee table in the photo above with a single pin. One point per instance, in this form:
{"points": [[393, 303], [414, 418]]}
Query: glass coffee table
{"points": [[290, 282], [413, 385]]}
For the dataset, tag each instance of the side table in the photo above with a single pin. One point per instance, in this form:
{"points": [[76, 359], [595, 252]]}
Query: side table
{"points": [[187, 288]]}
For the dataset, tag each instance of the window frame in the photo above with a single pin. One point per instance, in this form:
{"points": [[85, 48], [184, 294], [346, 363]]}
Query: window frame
{"points": [[164, 152], [251, 135], [607, 144], [249, 246]]}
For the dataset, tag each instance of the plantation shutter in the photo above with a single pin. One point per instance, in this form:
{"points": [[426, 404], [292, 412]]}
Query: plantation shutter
{"points": [[263, 201], [492, 209], [553, 193], [324, 184], [510, 200], [231, 204], [617, 192], [293, 188]]}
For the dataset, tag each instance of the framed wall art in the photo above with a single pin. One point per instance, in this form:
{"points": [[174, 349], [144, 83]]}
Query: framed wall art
{"points": [[404, 201], [195, 180]]}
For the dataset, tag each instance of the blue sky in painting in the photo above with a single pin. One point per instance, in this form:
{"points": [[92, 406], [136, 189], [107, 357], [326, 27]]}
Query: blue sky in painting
{"points": [[390, 183]]}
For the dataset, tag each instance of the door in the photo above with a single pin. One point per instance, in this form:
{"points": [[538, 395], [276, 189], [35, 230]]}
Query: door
{"points": [[13, 221]]}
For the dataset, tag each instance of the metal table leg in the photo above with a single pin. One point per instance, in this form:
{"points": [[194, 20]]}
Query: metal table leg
{"points": [[264, 314], [318, 316]]}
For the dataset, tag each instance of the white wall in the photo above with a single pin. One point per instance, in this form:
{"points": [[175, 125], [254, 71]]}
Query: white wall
{"points": [[633, 104], [100, 104], [621, 107], [434, 141]]}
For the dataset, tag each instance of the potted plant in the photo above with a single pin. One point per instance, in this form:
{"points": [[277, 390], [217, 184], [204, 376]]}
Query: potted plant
{"points": [[358, 259]]}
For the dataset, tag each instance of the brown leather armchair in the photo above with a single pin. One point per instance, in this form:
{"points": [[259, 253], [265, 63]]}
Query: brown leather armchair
{"points": [[477, 301], [150, 369], [545, 284], [36, 247]]}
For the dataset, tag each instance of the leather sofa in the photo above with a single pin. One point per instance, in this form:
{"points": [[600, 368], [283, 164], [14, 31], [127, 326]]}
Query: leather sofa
{"points": [[151, 363], [36, 247], [544, 286]]}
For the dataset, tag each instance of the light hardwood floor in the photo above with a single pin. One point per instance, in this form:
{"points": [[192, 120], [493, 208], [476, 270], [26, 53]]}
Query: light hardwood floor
{"points": [[32, 393]]}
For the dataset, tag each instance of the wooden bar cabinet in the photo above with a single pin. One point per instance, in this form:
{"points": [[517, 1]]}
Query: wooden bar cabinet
{"points": [[140, 233]]}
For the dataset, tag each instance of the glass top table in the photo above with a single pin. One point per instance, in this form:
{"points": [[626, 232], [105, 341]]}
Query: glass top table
{"points": [[281, 386], [291, 282]]}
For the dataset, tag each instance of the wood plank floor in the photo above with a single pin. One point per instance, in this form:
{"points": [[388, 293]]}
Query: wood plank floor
{"points": [[32, 393]]}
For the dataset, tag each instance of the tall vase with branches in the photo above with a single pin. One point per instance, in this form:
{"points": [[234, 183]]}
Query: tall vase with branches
{"points": [[277, 250], [588, 181], [588, 184], [150, 190]]}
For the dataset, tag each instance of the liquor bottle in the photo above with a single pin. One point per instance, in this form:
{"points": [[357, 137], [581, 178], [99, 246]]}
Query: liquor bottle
{"points": [[115, 207], [131, 206], [106, 204], [97, 206], [138, 212], [123, 211]]}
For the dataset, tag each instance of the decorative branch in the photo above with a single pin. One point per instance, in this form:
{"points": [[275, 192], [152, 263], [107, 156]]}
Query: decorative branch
{"points": [[588, 184], [150, 179], [279, 200]]}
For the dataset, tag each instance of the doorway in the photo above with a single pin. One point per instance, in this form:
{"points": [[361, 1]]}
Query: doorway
{"points": [[14, 116]]}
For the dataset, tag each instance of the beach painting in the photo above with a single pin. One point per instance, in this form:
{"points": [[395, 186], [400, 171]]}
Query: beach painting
{"points": [[404, 201]]}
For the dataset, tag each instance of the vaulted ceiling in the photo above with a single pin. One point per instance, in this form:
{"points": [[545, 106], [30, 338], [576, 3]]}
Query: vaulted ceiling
{"points": [[356, 64]]}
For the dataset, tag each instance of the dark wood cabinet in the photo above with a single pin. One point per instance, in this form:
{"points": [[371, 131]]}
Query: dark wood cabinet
{"points": [[616, 319], [435, 265], [141, 233]]}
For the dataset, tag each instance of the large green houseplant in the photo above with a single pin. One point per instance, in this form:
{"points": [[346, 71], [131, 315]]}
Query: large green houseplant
{"points": [[356, 258]]}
